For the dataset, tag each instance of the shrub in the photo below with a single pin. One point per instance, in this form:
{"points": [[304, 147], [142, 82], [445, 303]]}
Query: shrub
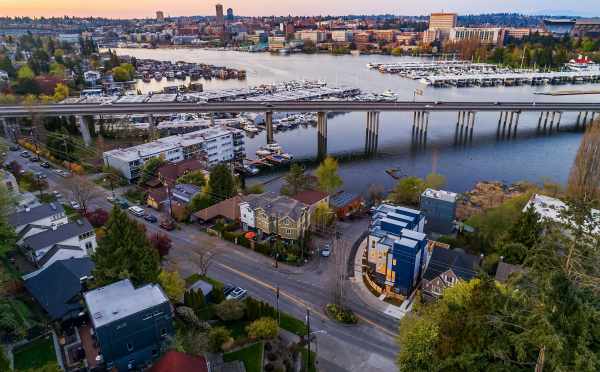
{"points": [[162, 243], [217, 337], [98, 217], [341, 314], [263, 329], [229, 310]]}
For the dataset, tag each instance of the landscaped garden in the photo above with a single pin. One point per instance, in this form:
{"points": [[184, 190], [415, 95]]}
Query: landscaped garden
{"points": [[251, 356], [35, 354]]}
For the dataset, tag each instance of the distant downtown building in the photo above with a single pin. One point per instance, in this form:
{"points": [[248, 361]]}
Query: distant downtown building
{"points": [[230, 14], [219, 9], [214, 145], [440, 24], [160, 16]]}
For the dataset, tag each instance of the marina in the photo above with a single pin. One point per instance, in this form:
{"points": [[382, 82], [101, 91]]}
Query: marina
{"points": [[460, 74]]}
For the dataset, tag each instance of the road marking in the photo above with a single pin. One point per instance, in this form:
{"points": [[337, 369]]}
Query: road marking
{"points": [[300, 302]]}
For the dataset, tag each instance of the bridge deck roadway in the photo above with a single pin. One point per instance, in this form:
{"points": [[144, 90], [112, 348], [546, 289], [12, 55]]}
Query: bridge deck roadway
{"points": [[289, 106]]}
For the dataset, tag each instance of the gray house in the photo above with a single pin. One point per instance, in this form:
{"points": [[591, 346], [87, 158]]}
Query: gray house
{"points": [[131, 324]]}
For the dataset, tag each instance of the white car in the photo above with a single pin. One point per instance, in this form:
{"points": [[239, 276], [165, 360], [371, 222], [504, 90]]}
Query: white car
{"points": [[238, 293], [136, 211], [75, 205]]}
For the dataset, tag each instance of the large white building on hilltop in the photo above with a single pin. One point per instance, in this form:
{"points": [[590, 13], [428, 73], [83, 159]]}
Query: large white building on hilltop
{"points": [[214, 145]]}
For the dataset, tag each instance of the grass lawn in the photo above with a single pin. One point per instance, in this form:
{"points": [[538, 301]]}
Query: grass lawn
{"points": [[251, 356], [237, 328], [291, 324], [35, 354]]}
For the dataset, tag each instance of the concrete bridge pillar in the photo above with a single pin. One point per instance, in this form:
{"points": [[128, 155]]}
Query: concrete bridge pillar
{"points": [[592, 118], [585, 116], [471, 124], [578, 119], [372, 133], [268, 125], [212, 119], [85, 131], [546, 120], [5, 130], [558, 121], [517, 123], [321, 134]]}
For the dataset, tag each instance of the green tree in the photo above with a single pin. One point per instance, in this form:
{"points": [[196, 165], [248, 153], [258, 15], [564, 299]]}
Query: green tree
{"points": [[327, 175], [527, 229], [25, 73], [217, 338], [221, 183], [435, 181], [193, 178], [123, 72], [263, 329], [229, 310], [150, 168], [125, 252], [61, 91], [408, 190], [58, 70], [295, 180], [8, 236], [199, 202], [172, 284]]}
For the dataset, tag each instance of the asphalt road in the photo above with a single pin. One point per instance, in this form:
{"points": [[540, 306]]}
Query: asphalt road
{"points": [[290, 106], [367, 346]]}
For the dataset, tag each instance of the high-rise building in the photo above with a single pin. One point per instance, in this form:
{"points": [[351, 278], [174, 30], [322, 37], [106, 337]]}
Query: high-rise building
{"points": [[220, 19], [442, 21], [229, 14], [160, 16]]}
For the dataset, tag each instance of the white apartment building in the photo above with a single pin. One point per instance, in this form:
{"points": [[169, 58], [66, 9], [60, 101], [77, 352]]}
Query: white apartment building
{"points": [[215, 145], [487, 36], [314, 36], [341, 35]]}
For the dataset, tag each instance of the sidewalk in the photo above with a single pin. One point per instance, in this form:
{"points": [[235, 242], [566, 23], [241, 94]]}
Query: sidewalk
{"points": [[361, 290]]}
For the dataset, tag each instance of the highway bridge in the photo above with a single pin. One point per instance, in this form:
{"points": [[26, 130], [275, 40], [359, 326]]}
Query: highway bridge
{"points": [[509, 113], [290, 106]]}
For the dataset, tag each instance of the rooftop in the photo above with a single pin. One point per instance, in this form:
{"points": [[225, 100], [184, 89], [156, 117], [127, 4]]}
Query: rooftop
{"points": [[55, 287], [167, 143], [342, 199], [310, 197], [120, 300], [464, 265], [447, 196], [551, 209], [57, 234], [30, 215], [276, 205]]}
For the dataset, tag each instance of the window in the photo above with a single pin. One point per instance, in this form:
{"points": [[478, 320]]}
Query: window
{"points": [[163, 332], [88, 246], [129, 347], [394, 262]]}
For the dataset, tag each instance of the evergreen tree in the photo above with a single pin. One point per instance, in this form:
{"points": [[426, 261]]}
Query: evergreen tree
{"points": [[125, 252], [327, 175], [527, 229], [221, 183]]}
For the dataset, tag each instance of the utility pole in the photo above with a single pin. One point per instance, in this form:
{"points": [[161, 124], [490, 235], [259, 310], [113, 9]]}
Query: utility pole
{"points": [[308, 339], [278, 316]]}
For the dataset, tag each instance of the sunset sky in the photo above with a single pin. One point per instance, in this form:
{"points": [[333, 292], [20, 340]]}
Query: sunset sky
{"points": [[147, 8]]}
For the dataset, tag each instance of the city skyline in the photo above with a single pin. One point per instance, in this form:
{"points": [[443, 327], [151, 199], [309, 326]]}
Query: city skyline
{"points": [[114, 9]]}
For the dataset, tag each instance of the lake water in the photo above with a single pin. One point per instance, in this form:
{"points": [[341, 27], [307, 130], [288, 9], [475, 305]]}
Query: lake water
{"points": [[530, 156]]}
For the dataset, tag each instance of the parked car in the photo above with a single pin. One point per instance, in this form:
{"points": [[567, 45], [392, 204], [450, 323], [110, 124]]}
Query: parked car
{"points": [[326, 250], [40, 175], [167, 224], [238, 293], [111, 199], [56, 194], [34, 159], [45, 164], [75, 205], [136, 211], [150, 218], [124, 204], [25, 154], [227, 289], [14, 148]]}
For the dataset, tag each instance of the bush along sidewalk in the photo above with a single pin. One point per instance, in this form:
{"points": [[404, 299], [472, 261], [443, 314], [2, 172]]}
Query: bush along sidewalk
{"points": [[341, 314]]}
